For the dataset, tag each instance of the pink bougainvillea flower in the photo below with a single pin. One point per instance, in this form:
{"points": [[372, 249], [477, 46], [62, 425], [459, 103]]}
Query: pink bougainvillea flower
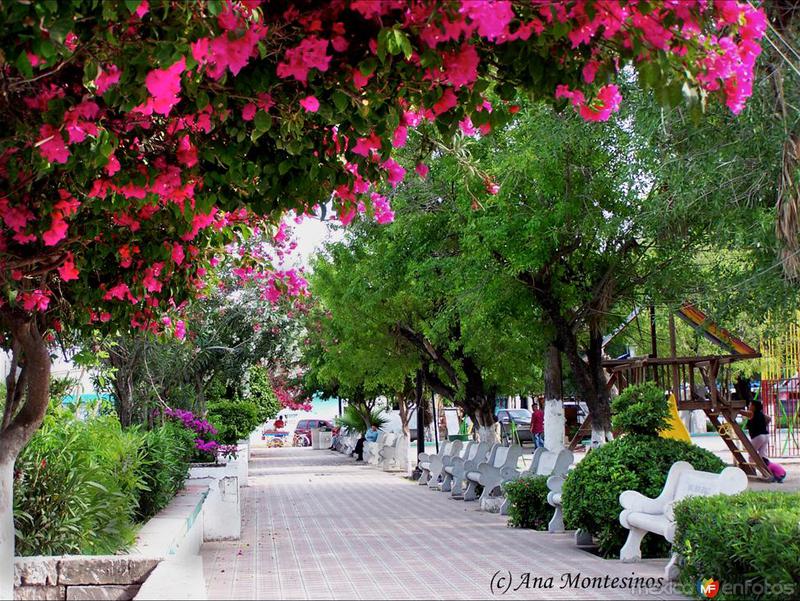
{"points": [[491, 17], [607, 102], [57, 231], [38, 300], [52, 146], [112, 166], [359, 79], [177, 253], [365, 146], [142, 9], [68, 271], [108, 76], [446, 102], [395, 172], [310, 104], [187, 152], [422, 170], [311, 53], [461, 68], [589, 71], [491, 186], [400, 136], [71, 41], [249, 111], [164, 85], [383, 212]]}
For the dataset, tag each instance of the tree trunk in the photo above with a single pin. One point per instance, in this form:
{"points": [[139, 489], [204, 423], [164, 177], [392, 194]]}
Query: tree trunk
{"points": [[554, 421], [6, 530], [27, 398]]}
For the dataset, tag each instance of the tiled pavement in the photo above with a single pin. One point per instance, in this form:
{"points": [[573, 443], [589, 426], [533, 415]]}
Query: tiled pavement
{"points": [[317, 526]]}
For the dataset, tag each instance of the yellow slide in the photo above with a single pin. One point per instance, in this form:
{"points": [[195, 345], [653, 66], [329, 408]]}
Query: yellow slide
{"points": [[676, 428]]}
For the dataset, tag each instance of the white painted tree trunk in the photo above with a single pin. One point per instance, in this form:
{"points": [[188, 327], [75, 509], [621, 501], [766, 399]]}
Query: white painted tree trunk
{"points": [[554, 422], [402, 453], [600, 436], [6, 531], [490, 434]]}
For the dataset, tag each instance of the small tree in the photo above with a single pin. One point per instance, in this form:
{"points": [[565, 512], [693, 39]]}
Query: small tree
{"points": [[641, 409]]}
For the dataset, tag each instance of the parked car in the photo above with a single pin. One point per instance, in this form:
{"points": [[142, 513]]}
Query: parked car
{"points": [[520, 417], [302, 432]]}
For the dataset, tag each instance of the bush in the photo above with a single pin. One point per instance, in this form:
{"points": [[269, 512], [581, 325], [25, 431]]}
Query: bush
{"points": [[641, 409], [81, 486], [234, 420], [77, 486], [749, 542], [260, 393], [527, 498], [634, 462], [167, 453]]}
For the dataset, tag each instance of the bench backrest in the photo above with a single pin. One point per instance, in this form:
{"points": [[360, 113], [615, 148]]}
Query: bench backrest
{"points": [[693, 483], [465, 450], [500, 456], [452, 448], [547, 463], [478, 451]]}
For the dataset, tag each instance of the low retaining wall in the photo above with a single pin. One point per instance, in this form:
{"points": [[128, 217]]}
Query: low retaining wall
{"points": [[164, 562], [76, 577]]}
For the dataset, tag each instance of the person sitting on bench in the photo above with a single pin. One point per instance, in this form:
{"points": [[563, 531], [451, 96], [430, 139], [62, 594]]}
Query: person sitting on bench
{"points": [[370, 436]]}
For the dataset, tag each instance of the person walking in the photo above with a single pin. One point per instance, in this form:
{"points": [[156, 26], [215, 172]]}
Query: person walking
{"points": [[537, 425]]}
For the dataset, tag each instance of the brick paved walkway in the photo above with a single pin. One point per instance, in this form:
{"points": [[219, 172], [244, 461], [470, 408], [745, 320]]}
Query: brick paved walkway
{"points": [[317, 526]]}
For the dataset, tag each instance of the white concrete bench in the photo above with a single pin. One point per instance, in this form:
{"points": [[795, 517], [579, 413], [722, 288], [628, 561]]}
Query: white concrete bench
{"points": [[371, 448], [436, 469], [641, 514], [544, 463], [489, 473], [447, 462], [391, 453], [424, 460], [457, 470]]}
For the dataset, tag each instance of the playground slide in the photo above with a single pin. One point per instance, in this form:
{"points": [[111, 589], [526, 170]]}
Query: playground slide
{"points": [[713, 332], [677, 429]]}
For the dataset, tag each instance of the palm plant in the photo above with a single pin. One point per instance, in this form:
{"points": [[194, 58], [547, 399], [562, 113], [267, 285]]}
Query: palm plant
{"points": [[357, 418]]}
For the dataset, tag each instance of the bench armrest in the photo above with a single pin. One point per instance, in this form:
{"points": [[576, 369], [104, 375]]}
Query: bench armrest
{"points": [[555, 483], [471, 465], [424, 457], [509, 473], [636, 501]]}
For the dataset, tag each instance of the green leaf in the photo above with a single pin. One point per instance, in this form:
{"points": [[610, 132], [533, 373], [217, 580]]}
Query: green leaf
{"points": [[24, 65], [132, 5], [214, 7], [284, 167], [262, 121], [90, 71], [367, 66], [340, 100]]}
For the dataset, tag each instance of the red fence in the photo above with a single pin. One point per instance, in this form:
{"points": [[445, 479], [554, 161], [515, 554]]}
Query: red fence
{"points": [[781, 400]]}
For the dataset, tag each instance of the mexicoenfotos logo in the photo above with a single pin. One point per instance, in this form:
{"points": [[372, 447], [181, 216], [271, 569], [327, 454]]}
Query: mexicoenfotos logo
{"points": [[708, 587]]}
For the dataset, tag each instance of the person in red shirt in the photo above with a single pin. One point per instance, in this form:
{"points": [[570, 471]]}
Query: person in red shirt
{"points": [[279, 423], [537, 425]]}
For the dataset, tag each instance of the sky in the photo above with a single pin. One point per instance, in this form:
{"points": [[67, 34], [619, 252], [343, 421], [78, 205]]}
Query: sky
{"points": [[311, 234]]}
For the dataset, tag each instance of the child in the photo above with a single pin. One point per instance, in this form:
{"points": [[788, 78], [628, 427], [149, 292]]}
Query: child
{"points": [[778, 473]]}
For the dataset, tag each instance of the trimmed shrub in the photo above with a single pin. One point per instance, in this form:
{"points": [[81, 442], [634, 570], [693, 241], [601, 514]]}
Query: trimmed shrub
{"points": [[234, 420], [640, 409], [528, 506], [749, 542], [634, 462]]}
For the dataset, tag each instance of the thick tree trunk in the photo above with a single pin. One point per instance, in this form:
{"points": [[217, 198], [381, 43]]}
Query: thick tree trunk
{"points": [[553, 403], [27, 398], [6, 530]]}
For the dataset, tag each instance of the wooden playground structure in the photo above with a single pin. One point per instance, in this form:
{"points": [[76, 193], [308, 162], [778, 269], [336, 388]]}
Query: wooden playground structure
{"points": [[697, 383]]}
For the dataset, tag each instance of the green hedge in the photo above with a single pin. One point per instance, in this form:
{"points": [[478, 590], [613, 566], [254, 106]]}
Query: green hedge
{"points": [[750, 543], [82, 486], [591, 492], [234, 420], [528, 506]]}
